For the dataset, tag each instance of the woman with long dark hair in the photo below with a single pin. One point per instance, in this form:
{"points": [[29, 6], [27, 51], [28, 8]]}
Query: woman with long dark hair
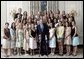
{"points": [[75, 38], [13, 37]]}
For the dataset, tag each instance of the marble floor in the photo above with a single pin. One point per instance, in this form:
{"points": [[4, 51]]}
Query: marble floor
{"points": [[80, 55]]}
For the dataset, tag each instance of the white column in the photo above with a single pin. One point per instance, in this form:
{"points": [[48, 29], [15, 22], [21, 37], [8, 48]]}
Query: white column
{"points": [[36, 7], [31, 7], [48, 5], [39, 6], [61, 5], [52, 5], [3, 15]]}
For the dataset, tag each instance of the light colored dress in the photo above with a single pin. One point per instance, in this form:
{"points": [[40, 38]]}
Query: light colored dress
{"points": [[60, 32], [68, 33], [52, 41], [75, 41], [19, 40], [32, 42], [26, 41], [13, 41], [6, 43]]}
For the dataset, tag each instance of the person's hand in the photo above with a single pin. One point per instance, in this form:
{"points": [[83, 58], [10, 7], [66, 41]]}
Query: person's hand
{"points": [[45, 37], [26, 41], [39, 36], [9, 38]]}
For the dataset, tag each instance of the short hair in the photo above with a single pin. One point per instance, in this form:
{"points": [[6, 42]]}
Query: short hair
{"points": [[7, 23]]}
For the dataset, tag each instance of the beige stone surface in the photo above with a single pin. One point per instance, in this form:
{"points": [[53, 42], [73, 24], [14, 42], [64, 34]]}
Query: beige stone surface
{"points": [[80, 55]]}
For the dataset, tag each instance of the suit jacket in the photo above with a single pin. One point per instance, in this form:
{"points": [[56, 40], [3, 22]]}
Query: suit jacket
{"points": [[44, 43], [44, 32]]}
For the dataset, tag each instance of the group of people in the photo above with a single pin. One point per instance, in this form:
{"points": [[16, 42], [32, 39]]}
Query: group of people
{"points": [[43, 30]]}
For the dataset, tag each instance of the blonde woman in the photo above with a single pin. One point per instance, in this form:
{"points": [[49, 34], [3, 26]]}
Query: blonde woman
{"points": [[60, 36]]}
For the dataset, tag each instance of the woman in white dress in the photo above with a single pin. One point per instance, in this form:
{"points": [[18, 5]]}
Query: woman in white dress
{"points": [[19, 38], [13, 36], [32, 40], [52, 41], [26, 38], [6, 40]]}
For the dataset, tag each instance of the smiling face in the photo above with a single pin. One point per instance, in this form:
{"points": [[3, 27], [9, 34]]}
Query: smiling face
{"points": [[29, 26], [6, 25], [54, 20], [13, 24], [73, 23], [70, 19], [41, 21], [18, 16], [67, 24], [60, 23], [25, 14]]}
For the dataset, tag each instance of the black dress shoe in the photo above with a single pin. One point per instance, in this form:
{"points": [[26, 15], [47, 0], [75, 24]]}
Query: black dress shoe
{"points": [[47, 55], [61, 54], [42, 54]]}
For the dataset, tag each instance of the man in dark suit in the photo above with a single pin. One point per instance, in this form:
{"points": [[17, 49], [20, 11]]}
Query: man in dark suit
{"points": [[43, 31]]}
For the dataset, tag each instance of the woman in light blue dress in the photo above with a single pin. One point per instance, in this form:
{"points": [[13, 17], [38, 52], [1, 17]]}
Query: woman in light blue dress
{"points": [[13, 36], [75, 38], [52, 41]]}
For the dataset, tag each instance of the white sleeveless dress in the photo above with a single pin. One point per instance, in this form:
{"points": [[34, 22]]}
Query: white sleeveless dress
{"points": [[26, 43], [52, 41]]}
